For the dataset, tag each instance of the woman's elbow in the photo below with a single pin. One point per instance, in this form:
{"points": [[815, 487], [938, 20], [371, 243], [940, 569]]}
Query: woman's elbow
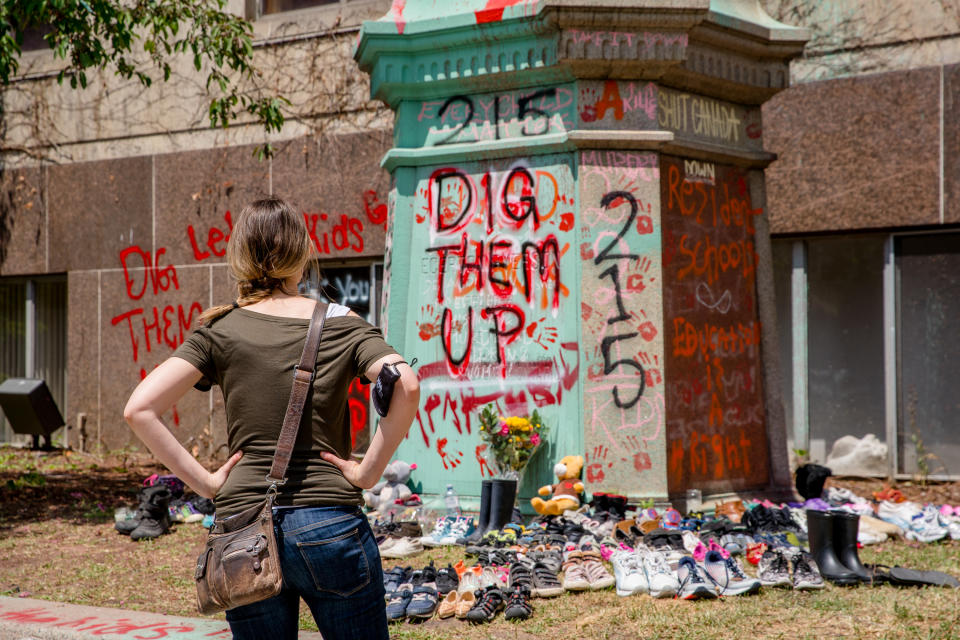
{"points": [[134, 413], [411, 387]]}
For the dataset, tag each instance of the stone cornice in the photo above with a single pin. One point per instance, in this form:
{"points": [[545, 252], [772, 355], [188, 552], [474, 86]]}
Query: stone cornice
{"points": [[727, 49]]}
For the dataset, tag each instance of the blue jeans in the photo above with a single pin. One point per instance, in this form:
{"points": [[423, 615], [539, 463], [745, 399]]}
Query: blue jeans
{"points": [[330, 559]]}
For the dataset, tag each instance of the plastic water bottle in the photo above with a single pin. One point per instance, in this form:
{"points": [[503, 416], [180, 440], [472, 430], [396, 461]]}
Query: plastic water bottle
{"points": [[452, 501]]}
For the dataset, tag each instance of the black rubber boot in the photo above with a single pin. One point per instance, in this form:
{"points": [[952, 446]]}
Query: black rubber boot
{"points": [[486, 488], [155, 516], [821, 535], [127, 526], [503, 495], [600, 502], [617, 506], [846, 526]]}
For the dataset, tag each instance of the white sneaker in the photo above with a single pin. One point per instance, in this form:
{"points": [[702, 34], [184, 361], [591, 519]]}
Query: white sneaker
{"points": [[926, 527], [728, 576], [900, 514], [400, 547], [469, 582], [953, 528], [662, 581], [693, 586], [690, 541], [460, 527], [838, 496], [440, 530], [629, 574]]}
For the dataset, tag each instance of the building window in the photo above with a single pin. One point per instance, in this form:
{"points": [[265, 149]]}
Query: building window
{"points": [[866, 328], [279, 6], [928, 353], [33, 338]]}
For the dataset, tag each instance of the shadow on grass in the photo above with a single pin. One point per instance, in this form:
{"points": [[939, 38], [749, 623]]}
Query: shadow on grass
{"points": [[81, 489]]}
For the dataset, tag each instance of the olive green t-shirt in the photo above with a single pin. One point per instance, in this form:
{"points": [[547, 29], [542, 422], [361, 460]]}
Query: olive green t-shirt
{"points": [[252, 356]]}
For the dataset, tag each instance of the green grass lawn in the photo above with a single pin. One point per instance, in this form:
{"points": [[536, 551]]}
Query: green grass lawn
{"points": [[57, 543]]}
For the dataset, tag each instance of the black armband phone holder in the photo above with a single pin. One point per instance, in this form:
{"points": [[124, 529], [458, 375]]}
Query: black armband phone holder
{"points": [[383, 388]]}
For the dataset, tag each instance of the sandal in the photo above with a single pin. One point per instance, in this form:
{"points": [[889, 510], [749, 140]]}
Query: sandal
{"points": [[903, 577], [518, 604]]}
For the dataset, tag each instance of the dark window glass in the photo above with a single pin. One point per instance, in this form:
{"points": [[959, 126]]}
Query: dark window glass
{"points": [[277, 6], [845, 339], [928, 306]]}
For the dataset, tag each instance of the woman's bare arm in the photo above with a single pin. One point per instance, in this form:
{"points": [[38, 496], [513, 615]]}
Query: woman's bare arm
{"points": [[154, 396], [391, 431]]}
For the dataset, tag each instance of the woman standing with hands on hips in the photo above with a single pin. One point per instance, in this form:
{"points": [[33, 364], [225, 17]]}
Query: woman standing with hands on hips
{"points": [[328, 553]]}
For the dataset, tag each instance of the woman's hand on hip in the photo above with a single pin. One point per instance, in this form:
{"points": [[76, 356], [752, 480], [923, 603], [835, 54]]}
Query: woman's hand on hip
{"points": [[218, 477], [353, 471]]}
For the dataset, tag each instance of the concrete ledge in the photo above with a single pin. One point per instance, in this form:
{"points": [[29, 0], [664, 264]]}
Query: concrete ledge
{"points": [[29, 619]]}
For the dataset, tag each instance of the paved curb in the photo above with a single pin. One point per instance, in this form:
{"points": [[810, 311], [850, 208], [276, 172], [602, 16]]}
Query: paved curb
{"points": [[29, 619]]}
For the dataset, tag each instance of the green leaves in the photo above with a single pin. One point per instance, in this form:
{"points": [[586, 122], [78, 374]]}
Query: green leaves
{"points": [[105, 34]]}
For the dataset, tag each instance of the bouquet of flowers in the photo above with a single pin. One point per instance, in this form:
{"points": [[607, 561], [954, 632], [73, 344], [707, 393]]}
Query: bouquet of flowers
{"points": [[512, 441]]}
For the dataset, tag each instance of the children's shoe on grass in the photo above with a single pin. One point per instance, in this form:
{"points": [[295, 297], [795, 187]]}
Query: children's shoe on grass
{"points": [[691, 583], [662, 582], [470, 580], [727, 575], [774, 569], [462, 527], [806, 574], [489, 603], [465, 602], [398, 601], [447, 580], [545, 581], [574, 573], [629, 574], [926, 526], [597, 574], [393, 578], [400, 547], [755, 552], [900, 514], [448, 606], [440, 530], [518, 604], [423, 602], [521, 577]]}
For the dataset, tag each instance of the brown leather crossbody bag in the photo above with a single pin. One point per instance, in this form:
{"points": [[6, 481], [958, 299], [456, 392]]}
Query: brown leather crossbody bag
{"points": [[241, 562]]}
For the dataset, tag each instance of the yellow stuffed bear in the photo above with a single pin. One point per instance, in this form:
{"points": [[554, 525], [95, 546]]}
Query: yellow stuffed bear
{"points": [[566, 493]]}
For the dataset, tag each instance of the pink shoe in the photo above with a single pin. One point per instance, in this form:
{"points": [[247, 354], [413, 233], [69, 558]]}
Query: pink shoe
{"points": [[716, 547], [947, 510], [700, 552]]}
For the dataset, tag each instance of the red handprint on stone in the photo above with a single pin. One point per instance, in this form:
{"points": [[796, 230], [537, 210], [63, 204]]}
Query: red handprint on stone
{"points": [[447, 458]]}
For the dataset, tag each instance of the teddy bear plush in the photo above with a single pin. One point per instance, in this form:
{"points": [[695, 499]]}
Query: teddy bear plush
{"points": [[392, 488], [566, 493]]}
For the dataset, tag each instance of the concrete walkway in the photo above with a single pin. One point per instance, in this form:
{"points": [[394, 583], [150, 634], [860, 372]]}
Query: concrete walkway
{"points": [[29, 619]]}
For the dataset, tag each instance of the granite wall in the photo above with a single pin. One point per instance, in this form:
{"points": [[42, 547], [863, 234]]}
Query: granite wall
{"points": [[864, 153], [143, 239]]}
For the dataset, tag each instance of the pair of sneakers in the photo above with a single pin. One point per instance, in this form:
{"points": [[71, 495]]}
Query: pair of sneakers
{"points": [[416, 599], [447, 530], [583, 570], [727, 575], [644, 571], [797, 569]]}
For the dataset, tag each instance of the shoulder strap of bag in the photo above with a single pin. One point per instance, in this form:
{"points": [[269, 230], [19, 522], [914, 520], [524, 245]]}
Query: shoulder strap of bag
{"points": [[302, 379]]}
